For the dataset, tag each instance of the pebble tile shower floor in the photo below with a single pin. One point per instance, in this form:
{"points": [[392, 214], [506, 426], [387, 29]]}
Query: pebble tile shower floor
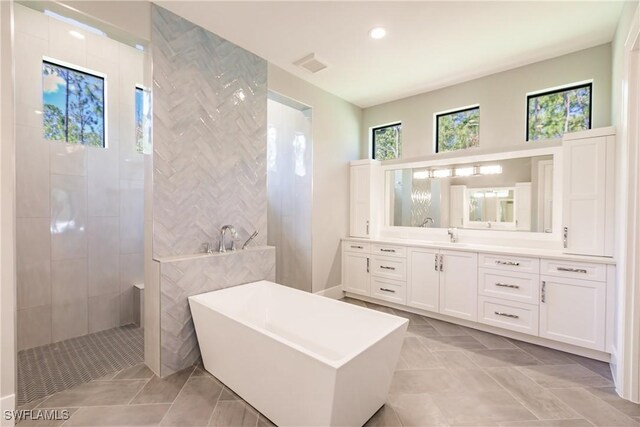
{"points": [[448, 375], [52, 368]]}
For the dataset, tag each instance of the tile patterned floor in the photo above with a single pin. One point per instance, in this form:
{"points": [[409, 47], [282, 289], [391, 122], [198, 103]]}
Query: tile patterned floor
{"points": [[51, 368], [447, 375]]}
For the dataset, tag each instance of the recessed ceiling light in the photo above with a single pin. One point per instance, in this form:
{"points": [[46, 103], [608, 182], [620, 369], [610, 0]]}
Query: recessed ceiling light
{"points": [[377, 33], [77, 34]]}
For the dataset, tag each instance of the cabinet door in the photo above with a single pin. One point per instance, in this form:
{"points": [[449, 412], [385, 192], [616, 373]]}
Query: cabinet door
{"points": [[459, 285], [423, 285], [355, 273], [360, 201], [584, 194], [573, 311]]}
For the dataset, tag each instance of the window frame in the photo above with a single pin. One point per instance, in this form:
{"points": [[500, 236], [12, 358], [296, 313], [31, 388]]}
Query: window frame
{"points": [[447, 113], [373, 137], [555, 90], [87, 72]]}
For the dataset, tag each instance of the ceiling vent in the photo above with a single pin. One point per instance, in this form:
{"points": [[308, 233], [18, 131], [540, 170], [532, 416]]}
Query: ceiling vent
{"points": [[310, 63]]}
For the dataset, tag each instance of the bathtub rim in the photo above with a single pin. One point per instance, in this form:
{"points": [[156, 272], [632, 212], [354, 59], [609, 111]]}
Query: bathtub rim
{"points": [[337, 363]]}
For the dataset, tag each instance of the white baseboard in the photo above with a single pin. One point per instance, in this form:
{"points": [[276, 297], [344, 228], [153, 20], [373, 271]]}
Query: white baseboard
{"points": [[7, 403], [334, 292]]}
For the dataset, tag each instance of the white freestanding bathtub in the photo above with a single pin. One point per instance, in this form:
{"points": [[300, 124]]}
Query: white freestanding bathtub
{"points": [[298, 358]]}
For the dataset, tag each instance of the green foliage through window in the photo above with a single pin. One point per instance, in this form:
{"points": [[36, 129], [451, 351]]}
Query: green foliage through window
{"points": [[458, 130], [552, 114], [73, 105], [139, 119], [387, 142]]}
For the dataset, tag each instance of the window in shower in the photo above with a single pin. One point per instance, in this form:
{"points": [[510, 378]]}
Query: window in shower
{"points": [[73, 105], [139, 119]]}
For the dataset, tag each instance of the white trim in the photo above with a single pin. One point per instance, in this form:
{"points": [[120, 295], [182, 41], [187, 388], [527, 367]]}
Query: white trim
{"points": [[333, 293], [628, 295], [7, 403]]}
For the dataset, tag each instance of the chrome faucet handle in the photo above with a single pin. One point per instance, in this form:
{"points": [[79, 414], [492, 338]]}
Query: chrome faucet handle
{"points": [[208, 248]]}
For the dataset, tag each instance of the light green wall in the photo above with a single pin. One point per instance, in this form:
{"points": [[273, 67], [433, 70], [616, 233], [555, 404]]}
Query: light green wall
{"points": [[502, 99]]}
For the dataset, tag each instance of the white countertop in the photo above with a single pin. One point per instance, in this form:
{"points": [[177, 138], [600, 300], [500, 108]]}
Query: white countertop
{"points": [[473, 247]]}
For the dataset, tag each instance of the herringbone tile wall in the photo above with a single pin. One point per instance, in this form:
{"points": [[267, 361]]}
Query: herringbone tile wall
{"points": [[194, 276], [209, 157], [209, 137]]}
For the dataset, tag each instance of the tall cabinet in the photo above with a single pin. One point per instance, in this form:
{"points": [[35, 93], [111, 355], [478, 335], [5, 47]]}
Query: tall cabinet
{"points": [[365, 187], [588, 192]]}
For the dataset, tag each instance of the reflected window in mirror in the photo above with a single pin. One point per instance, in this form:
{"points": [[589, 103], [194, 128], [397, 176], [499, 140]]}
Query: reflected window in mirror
{"points": [[552, 113], [457, 130], [387, 142]]}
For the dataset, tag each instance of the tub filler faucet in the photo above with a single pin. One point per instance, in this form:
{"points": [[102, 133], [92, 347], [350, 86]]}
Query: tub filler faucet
{"points": [[223, 232]]}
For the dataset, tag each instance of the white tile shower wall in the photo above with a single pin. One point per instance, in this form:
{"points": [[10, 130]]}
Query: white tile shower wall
{"points": [[79, 209], [209, 169]]}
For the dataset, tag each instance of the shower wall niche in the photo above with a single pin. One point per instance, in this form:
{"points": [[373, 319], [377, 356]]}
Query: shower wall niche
{"points": [[80, 178]]}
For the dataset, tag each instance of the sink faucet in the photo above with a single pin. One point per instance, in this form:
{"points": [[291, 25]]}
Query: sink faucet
{"points": [[453, 234], [428, 221], [234, 234]]}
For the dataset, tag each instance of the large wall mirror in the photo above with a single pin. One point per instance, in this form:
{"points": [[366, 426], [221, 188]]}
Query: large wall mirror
{"points": [[512, 194]]}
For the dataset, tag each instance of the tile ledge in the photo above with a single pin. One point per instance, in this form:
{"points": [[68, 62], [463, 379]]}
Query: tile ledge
{"points": [[185, 257]]}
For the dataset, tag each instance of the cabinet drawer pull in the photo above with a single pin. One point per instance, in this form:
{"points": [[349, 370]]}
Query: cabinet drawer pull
{"points": [[357, 247], [388, 290], [367, 264], [384, 267], [388, 250], [543, 292], [506, 285], [573, 270], [436, 266], [367, 227], [441, 256], [513, 316], [565, 237], [514, 263]]}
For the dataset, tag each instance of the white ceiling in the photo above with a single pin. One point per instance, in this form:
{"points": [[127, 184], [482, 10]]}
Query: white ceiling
{"points": [[428, 44]]}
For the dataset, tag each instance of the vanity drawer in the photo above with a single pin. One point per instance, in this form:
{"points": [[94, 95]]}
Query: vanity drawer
{"points": [[389, 290], [510, 315], [510, 285], [511, 263], [362, 247], [389, 267], [389, 250], [576, 270]]}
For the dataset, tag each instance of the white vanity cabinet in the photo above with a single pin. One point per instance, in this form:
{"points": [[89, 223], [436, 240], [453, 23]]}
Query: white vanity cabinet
{"points": [[459, 284], [573, 303], [443, 281], [364, 180], [379, 271], [588, 192], [424, 279], [566, 300], [356, 275]]}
